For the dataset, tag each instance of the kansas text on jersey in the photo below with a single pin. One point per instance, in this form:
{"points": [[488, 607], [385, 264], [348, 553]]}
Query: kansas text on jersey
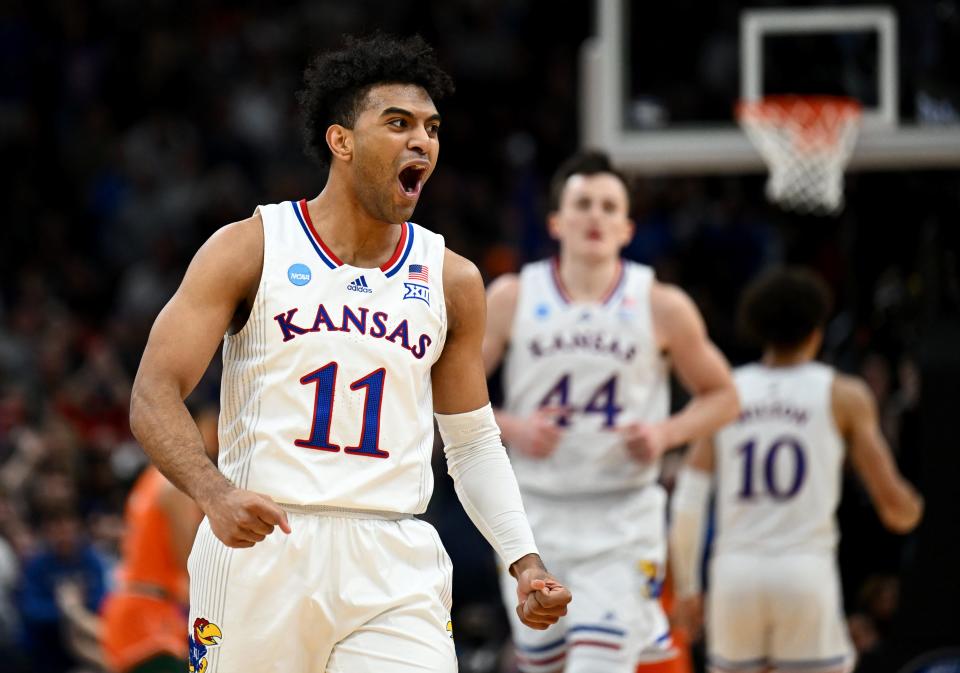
{"points": [[326, 397], [600, 361]]}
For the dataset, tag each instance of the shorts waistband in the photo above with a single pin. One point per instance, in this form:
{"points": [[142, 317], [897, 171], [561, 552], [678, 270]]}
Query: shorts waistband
{"points": [[344, 512]]}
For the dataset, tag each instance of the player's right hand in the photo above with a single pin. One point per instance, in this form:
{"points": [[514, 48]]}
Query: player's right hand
{"points": [[537, 435], [242, 518]]}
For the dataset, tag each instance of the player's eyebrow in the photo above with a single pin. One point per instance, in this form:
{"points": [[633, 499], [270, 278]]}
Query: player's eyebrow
{"points": [[435, 117]]}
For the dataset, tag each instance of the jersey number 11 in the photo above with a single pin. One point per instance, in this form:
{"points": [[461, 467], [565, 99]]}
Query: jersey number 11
{"points": [[325, 380]]}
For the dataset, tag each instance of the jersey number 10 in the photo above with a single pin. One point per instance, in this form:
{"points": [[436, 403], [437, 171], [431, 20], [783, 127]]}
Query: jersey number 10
{"points": [[783, 445]]}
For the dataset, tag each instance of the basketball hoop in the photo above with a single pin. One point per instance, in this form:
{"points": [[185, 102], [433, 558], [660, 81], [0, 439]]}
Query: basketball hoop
{"points": [[806, 141]]}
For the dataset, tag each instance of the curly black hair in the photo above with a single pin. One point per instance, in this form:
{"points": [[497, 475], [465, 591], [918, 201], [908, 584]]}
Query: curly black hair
{"points": [[587, 162], [336, 82], [783, 307]]}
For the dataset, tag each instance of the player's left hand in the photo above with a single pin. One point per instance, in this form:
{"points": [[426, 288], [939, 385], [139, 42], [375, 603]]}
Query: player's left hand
{"points": [[645, 441], [541, 599]]}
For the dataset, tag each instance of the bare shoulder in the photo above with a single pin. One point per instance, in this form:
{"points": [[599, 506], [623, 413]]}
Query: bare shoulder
{"points": [[239, 244], [507, 284], [669, 300], [851, 399], [851, 388], [230, 260], [504, 291], [462, 288], [674, 313], [458, 271]]}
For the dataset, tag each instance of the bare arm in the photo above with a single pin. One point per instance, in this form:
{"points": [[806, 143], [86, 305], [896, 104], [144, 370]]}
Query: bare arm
{"points": [[223, 276], [855, 411], [459, 379], [218, 280], [699, 365], [83, 627], [501, 306], [701, 368], [477, 461]]}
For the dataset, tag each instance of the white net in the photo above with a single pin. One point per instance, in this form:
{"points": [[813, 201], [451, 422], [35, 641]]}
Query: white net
{"points": [[806, 141]]}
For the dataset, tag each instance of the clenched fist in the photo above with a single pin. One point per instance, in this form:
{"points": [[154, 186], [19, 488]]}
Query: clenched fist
{"points": [[541, 599], [242, 518]]}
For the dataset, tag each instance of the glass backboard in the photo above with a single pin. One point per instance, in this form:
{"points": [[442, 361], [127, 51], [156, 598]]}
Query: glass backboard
{"points": [[661, 80]]}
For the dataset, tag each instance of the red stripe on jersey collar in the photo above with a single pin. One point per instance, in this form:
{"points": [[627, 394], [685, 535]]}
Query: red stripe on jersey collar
{"points": [[336, 260], [327, 251], [401, 243]]}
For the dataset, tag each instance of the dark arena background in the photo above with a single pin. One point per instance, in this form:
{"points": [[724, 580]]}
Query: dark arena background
{"points": [[130, 131]]}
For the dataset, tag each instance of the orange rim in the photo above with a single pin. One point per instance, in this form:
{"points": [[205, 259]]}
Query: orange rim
{"points": [[816, 119]]}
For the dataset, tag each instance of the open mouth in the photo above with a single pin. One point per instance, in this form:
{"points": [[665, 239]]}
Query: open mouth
{"points": [[411, 180]]}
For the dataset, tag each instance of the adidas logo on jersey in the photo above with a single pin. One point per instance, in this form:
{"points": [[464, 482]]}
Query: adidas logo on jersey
{"points": [[359, 285]]}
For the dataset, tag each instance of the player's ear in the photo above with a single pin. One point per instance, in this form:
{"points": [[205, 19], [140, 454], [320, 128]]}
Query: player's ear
{"points": [[631, 230], [340, 141], [553, 225]]}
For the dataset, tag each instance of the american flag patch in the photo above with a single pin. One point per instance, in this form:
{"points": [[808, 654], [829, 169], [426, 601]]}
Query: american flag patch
{"points": [[418, 272]]}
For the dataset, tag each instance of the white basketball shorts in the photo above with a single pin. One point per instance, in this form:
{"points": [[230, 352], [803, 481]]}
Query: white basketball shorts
{"points": [[337, 595], [609, 550], [780, 612]]}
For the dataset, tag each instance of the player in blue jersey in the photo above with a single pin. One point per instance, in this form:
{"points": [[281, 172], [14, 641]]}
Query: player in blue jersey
{"points": [[348, 329]]}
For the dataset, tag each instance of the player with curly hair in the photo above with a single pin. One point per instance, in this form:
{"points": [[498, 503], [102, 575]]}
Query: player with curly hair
{"points": [[348, 328], [775, 600]]}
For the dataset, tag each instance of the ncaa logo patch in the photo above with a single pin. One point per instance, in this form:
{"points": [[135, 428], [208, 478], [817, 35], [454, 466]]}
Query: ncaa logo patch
{"points": [[415, 291], [299, 274]]}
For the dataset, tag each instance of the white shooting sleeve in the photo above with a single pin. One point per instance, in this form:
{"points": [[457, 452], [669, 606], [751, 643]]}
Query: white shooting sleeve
{"points": [[688, 516], [485, 483]]}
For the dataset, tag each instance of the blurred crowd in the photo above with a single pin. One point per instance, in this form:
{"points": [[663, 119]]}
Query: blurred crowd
{"points": [[131, 131]]}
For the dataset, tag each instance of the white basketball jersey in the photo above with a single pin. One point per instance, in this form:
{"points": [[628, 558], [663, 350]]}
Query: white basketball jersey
{"points": [[326, 396], [599, 359], [779, 464]]}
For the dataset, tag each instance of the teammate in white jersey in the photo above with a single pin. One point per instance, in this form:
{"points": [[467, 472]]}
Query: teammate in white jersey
{"points": [[588, 341], [347, 329], [775, 600]]}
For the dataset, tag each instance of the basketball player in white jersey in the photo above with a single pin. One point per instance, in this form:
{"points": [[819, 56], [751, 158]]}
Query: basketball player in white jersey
{"points": [[588, 341], [775, 599], [346, 327]]}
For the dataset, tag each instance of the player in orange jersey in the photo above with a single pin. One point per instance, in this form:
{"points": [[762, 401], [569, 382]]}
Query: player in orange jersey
{"points": [[144, 622]]}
